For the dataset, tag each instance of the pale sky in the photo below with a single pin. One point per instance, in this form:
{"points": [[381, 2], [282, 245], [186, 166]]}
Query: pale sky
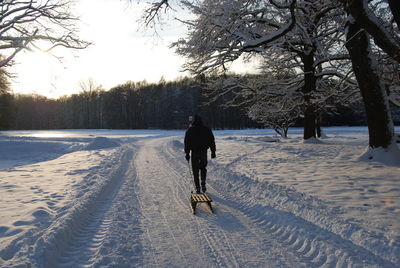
{"points": [[121, 52]]}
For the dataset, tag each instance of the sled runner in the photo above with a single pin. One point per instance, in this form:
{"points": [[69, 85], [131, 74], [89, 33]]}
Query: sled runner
{"points": [[200, 198]]}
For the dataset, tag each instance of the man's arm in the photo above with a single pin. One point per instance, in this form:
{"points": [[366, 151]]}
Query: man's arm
{"points": [[212, 144], [187, 142]]}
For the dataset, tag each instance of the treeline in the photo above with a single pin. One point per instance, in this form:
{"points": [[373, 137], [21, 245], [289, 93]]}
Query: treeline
{"points": [[132, 105], [142, 105]]}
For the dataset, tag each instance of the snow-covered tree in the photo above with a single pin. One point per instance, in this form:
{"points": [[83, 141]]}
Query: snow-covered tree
{"points": [[223, 31], [304, 36], [379, 19], [30, 24], [314, 49], [275, 116], [389, 73]]}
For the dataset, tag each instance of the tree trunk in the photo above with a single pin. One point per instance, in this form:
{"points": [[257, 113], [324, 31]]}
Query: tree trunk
{"points": [[380, 124], [318, 125], [395, 8], [309, 87], [309, 123], [365, 18]]}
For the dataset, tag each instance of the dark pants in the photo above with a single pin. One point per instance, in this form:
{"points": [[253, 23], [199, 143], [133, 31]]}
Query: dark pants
{"points": [[199, 163]]}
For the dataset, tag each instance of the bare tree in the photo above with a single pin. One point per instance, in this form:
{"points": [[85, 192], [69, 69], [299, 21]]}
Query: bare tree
{"points": [[7, 110], [44, 25], [91, 92]]}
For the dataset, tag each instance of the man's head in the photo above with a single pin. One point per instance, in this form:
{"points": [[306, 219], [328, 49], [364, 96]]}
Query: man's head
{"points": [[197, 121]]}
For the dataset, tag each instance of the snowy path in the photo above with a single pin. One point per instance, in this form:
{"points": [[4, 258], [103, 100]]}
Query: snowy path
{"points": [[132, 210], [179, 239], [144, 220]]}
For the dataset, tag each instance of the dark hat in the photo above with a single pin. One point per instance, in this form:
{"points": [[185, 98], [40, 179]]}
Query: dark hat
{"points": [[197, 121]]}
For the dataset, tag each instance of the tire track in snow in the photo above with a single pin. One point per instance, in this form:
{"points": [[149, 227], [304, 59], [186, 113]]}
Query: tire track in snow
{"points": [[207, 244], [168, 234], [306, 242], [91, 224], [87, 241], [253, 227], [219, 246], [313, 244], [241, 157], [215, 245], [232, 238]]}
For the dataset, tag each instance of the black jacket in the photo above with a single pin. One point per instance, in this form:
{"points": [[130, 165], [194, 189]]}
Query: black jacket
{"points": [[199, 138]]}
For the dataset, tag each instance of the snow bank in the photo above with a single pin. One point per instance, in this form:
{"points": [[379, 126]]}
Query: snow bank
{"points": [[285, 206], [360, 198], [15, 152], [312, 141], [55, 201], [389, 156], [100, 143], [255, 139]]}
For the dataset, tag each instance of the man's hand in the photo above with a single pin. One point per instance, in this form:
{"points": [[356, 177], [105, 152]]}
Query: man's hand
{"points": [[213, 155], [187, 156]]}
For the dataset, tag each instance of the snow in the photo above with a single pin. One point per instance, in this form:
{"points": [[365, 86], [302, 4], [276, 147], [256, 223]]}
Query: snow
{"points": [[101, 198], [388, 156], [101, 143]]}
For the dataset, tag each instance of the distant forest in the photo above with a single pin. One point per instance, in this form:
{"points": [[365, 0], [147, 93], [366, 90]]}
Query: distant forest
{"points": [[132, 105], [138, 105]]}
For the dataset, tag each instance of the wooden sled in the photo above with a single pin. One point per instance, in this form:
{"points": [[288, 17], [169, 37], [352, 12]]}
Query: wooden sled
{"points": [[200, 198]]}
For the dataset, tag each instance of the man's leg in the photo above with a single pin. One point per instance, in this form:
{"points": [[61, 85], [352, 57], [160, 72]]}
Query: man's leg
{"points": [[202, 167], [196, 168]]}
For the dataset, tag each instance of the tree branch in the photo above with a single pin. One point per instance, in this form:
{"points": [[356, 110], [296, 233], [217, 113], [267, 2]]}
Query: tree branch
{"points": [[22, 23], [368, 21], [262, 41]]}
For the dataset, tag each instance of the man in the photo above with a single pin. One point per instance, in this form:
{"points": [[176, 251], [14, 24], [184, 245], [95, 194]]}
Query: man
{"points": [[198, 138]]}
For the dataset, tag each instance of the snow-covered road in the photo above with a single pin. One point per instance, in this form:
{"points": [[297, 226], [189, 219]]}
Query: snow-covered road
{"points": [[175, 238], [132, 210], [142, 219]]}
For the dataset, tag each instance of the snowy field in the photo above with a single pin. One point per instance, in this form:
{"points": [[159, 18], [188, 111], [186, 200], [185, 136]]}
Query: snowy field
{"points": [[103, 198]]}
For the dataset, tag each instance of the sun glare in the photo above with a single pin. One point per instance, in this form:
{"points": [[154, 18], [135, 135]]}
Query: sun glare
{"points": [[36, 72], [119, 53]]}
